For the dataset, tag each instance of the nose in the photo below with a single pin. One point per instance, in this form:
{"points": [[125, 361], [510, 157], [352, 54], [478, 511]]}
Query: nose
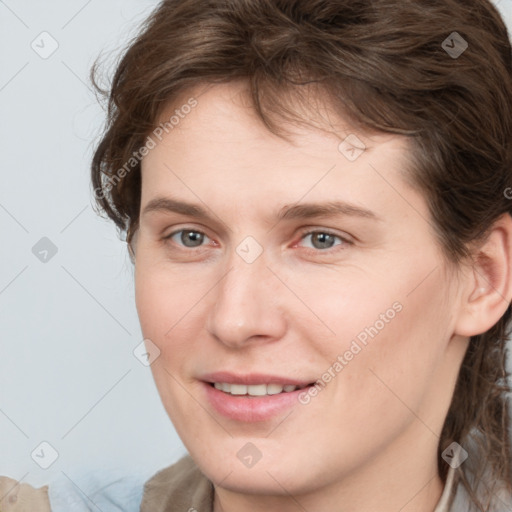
{"points": [[247, 305]]}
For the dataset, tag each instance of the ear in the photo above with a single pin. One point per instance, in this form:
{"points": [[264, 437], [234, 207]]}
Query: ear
{"points": [[488, 284]]}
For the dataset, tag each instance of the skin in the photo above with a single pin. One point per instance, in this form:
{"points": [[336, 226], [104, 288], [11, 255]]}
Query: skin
{"points": [[368, 440]]}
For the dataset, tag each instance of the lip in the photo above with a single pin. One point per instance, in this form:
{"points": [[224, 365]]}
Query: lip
{"points": [[252, 378], [246, 408]]}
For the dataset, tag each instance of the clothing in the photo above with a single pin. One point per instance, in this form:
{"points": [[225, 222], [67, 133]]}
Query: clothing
{"points": [[108, 491], [182, 487]]}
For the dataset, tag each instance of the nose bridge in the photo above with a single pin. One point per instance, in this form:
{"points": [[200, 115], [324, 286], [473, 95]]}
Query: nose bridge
{"points": [[245, 303]]}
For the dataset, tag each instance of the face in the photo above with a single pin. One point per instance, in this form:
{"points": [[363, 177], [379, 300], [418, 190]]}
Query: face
{"points": [[262, 263]]}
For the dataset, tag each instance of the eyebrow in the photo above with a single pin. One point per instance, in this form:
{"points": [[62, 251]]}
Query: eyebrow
{"points": [[288, 212]]}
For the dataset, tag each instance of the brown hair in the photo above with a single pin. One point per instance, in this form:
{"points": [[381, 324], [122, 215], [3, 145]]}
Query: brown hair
{"points": [[386, 65]]}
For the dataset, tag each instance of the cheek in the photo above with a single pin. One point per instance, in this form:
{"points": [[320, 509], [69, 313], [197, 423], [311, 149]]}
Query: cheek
{"points": [[385, 336], [164, 299], [169, 304], [340, 308], [391, 354]]}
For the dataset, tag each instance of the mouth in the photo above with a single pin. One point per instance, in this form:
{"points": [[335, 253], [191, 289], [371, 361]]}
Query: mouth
{"points": [[252, 398], [256, 390]]}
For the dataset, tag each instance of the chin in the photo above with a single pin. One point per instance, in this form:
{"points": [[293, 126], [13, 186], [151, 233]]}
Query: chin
{"points": [[269, 476]]}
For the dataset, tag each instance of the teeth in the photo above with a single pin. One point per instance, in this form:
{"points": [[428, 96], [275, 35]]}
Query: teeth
{"points": [[255, 389], [238, 389], [274, 389]]}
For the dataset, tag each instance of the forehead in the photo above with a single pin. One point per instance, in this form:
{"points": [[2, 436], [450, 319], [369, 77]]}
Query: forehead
{"points": [[220, 149], [223, 123]]}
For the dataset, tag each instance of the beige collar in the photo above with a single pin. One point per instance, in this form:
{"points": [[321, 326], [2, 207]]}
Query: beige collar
{"points": [[445, 501]]}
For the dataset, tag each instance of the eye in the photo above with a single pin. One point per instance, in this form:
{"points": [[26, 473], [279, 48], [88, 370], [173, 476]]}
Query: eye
{"points": [[322, 240], [189, 238]]}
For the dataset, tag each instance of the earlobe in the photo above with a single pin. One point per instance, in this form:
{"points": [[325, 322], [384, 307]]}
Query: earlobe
{"points": [[488, 288]]}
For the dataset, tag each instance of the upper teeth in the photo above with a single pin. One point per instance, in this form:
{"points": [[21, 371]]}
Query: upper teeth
{"points": [[254, 390]]}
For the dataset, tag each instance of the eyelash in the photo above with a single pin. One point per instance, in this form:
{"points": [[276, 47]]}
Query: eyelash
{"points": [[303, 235]]}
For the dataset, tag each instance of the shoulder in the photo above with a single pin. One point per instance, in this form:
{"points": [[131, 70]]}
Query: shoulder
{"points": [[181, 486]]}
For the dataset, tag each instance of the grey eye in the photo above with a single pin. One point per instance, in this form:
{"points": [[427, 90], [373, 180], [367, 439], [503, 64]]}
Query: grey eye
{"points": [[191, 238], [321, 239]]}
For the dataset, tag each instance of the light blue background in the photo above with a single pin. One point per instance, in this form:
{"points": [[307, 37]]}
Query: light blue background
{"points": [[68, 327]]}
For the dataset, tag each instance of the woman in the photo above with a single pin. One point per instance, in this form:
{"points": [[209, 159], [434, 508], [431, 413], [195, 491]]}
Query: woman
{"points": [[315, 199]]}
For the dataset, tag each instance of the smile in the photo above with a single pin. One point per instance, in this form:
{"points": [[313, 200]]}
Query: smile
{"points": [[255, 389]]}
